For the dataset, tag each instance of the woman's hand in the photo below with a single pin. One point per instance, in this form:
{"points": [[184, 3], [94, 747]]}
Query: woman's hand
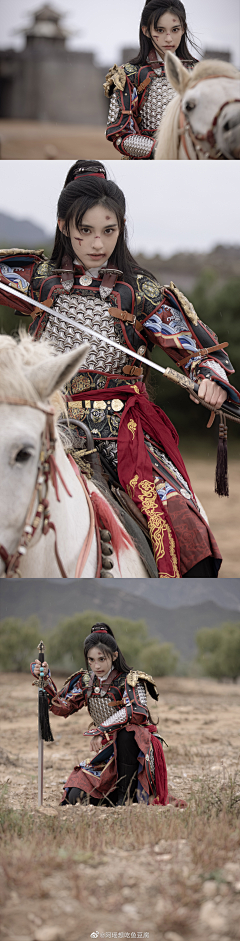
{"points": [[37, 666], [96, 743], [211, 393]]}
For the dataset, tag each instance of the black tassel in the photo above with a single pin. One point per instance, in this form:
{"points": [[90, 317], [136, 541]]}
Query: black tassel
{"points": [[46, 731], [221, 482]]}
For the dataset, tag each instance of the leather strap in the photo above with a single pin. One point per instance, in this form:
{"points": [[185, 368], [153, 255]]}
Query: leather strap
{"points": [[132, 370], [123, 315], [200, 354]]}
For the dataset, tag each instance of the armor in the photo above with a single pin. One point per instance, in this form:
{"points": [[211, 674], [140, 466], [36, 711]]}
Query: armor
{"points": [[93, 312], [137, 107]]}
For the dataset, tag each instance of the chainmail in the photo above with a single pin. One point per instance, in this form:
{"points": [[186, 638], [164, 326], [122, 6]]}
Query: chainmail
{"points": [[137, 146], [158, 97], [101, 708], [119, 716], [113, 109], [94, 313], [141, 693], [109, 450]]}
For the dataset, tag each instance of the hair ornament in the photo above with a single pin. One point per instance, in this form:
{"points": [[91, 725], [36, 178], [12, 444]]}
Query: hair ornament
{"points": [[99, 630], [90, 170]]}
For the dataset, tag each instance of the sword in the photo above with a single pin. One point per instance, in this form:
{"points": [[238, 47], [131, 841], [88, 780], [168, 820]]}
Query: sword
{"points": [[230, 410], [44, 731]]}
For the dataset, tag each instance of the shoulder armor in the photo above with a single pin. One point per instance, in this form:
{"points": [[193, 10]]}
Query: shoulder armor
{"points": [[186, 304], [36, 253], [44, 268], [85, 677], [115, 78], [135, 675], [149, 288]]}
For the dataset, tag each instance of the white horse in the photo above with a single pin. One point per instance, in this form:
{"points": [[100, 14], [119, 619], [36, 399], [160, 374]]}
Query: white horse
{"points": [[42, 499], [203, 120]]}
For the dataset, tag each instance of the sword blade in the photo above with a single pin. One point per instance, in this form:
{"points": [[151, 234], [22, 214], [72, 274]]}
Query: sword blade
{"points": [[81, 326], [40, 761], [229, 408]]}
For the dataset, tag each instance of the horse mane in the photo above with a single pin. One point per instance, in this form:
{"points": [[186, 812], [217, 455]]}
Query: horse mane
{"points": [[167, 135], [209, 67], [16, 355]]}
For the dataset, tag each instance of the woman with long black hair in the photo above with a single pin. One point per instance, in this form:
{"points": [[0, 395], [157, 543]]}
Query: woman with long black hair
{"points": [[128, 760], [140, 91], [93, 279]]}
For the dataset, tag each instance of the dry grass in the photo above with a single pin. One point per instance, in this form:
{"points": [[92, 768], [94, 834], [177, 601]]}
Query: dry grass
{"points": [[169, 873]]}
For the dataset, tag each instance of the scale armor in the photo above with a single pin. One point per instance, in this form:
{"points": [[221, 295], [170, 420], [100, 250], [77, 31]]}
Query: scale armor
{"points": [[137, 146], [102, 708], [94, 314], [158, 97]]}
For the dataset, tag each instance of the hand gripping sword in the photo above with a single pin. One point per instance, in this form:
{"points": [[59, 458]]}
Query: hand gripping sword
{"points": [[44, 731], [231, 410]]}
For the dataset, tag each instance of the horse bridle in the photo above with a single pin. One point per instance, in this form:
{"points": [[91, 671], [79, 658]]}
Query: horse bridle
{"points": [[39, 518], [209, 137]]}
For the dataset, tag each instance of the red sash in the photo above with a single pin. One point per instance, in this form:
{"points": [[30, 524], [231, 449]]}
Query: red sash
{"points": [[135, 469]]}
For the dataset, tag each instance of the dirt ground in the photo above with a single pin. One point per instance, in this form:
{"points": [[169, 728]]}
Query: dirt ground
{"points": [[223, 512], [37, 140], [154, 890]]}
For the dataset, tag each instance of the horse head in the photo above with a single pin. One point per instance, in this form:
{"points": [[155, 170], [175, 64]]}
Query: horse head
{"points": [[31, 374], [209, 107]]}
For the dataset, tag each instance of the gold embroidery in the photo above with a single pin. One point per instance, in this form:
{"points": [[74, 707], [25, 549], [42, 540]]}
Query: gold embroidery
{"points": [[157, 524], [136, 389], [132, 427], [132, 484]]}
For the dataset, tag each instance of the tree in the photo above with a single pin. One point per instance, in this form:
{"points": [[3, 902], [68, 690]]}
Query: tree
{"points": [[18, 643], [160, 659], [219, 651]]}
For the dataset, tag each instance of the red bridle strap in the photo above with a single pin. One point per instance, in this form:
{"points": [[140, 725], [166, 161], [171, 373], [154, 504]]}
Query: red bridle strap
{"points": [[47, 468]]}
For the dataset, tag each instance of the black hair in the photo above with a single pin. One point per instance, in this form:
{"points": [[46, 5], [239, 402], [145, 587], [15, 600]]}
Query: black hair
{"points": [[102, 636], [86, 186], [151, 13]]}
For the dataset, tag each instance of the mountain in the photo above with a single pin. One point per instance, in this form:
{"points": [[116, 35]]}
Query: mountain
{"points": [[172, 612], [22, 233]]}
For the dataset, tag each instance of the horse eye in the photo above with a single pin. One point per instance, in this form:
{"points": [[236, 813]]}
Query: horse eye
{"points": [[190, 105], [23, 456]]}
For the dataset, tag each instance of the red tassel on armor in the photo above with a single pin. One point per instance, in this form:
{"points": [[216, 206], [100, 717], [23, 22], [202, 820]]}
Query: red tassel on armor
{"points": [[221, 481]]}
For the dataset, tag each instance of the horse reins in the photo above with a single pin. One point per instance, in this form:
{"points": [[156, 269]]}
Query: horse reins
{"points": [[209, 137], [47, 469]]}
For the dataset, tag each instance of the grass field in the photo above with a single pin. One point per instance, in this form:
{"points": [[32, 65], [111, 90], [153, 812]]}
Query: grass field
{"points": [[166, 874]]}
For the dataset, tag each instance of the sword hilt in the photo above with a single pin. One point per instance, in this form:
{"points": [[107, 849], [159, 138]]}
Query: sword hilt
{"points": [[41, 648], [228, 408]]}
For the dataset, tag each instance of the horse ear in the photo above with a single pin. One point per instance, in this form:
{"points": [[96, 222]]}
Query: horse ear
{"points": [[53, 372], [177, 75]]}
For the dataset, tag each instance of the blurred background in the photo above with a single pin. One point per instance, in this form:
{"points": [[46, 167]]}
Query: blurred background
{"points": [[53, 62]]}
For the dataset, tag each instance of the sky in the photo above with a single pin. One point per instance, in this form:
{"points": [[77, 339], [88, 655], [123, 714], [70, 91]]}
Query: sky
{"points": [[171, 206], [106, 27]]}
